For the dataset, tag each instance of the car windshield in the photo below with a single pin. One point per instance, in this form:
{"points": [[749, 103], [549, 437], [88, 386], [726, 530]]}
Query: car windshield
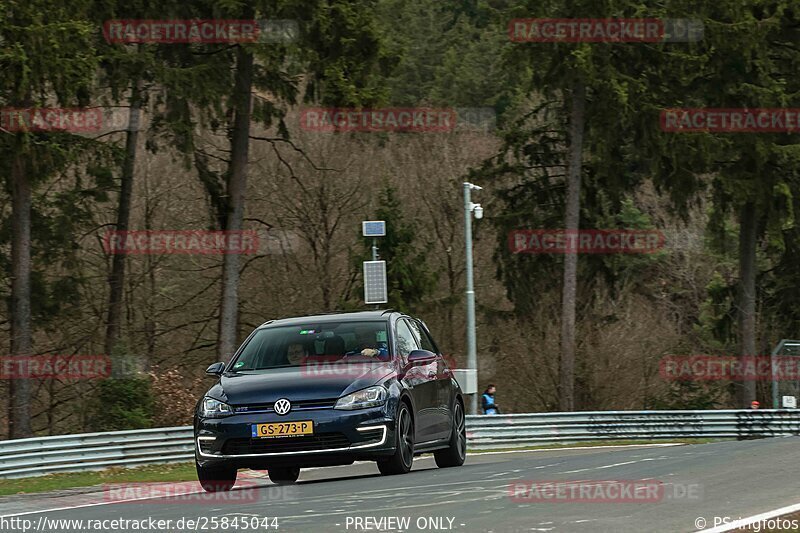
{"points": [[313, 344]]}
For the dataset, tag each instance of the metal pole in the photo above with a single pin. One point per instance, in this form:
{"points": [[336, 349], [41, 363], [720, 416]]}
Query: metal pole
{"points": [[472, 359], [775, 352], [375, 258]]}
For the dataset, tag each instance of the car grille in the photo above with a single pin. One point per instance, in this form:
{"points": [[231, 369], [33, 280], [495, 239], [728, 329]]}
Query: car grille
{"points": [[299, 405], [323, 441]]}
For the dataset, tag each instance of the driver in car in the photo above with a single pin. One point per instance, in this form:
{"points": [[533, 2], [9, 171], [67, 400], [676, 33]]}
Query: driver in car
{"points": [[367, 346]]}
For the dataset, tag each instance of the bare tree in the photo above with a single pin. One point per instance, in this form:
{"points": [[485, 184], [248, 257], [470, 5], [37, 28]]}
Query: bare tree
{"points": [[116, 279], [236, 189], [21, 336], [747, 296], [571, 224]]}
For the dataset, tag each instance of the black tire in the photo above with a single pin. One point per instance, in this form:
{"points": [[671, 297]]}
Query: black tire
{"points": [[216, 478], [456, 453], [285, 475], [403, 458]]}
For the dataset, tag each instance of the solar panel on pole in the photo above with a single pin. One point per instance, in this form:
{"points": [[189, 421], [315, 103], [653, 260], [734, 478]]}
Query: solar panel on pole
{"points": [[375, 287], [373, 228]]}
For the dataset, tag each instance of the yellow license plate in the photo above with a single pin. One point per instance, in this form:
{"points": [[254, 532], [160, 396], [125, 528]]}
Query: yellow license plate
{"points": [[284, 429]]}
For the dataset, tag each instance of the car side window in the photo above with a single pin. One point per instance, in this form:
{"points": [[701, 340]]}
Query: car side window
{"points": [[405, 340], [424, 340]]}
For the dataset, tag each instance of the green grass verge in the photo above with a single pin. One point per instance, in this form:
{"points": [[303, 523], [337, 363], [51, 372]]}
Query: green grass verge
{"points": [[67, 480], [599, 444]]}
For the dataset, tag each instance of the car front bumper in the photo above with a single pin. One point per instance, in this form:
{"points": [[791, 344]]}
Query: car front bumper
{"points": [[340, 437]]}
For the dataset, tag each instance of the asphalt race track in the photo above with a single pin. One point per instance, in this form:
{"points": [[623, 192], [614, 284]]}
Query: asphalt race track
{"points": [[697, 483]]}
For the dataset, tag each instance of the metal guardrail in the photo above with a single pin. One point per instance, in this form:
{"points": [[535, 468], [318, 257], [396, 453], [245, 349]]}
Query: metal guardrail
{"points": [[523, 430], [96, 451]]}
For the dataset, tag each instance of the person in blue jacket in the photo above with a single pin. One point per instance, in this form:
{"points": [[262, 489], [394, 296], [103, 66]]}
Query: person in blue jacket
{"points": [[488, 403]]}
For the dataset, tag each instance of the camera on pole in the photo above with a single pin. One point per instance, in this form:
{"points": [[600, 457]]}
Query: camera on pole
{"points": [[468, 377]]}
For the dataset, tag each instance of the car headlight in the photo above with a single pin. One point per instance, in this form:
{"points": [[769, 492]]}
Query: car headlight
{"points": [[211, 408], [370, 397]]}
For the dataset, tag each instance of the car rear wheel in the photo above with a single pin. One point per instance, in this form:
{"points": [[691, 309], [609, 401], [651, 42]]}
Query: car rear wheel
{"points": [[456, 453], [403, 458], [284, 475], [216, 478]]}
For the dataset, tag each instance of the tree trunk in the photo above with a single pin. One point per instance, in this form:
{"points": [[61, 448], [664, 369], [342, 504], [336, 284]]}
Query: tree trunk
{"points": [[19, 420], [237, 185], [116, 280], [571, 224], [747, 296]]}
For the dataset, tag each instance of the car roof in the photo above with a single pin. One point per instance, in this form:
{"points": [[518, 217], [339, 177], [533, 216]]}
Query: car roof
{"points": [[382, 314]]}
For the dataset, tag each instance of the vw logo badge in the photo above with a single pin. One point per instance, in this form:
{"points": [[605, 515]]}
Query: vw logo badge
{"points": [[283, 406]]}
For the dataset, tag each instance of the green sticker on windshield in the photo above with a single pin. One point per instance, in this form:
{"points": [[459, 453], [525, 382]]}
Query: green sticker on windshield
{"points": [[381, 336], [237, 365]]}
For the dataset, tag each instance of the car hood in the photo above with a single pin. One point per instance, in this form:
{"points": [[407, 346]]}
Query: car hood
{"points": [[298, 383]]}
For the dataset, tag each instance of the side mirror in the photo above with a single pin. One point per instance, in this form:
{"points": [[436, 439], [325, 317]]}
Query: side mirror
{"points": [[421, 357], [216, 369]]}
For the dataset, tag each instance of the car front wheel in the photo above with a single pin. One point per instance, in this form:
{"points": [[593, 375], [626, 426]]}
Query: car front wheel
{"points": [[403, 458], [284, 475], [216, 478], [456, 452]]}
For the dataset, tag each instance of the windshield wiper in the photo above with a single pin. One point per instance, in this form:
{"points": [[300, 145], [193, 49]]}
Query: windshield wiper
{"points": [[277, 366]]}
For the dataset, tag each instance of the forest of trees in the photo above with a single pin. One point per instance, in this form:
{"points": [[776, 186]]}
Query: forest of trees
{"points": [[211, 139]]}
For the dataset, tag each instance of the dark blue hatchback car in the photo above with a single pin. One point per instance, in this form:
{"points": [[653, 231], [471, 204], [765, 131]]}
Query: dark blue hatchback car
{"points": [[329, 390]]}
